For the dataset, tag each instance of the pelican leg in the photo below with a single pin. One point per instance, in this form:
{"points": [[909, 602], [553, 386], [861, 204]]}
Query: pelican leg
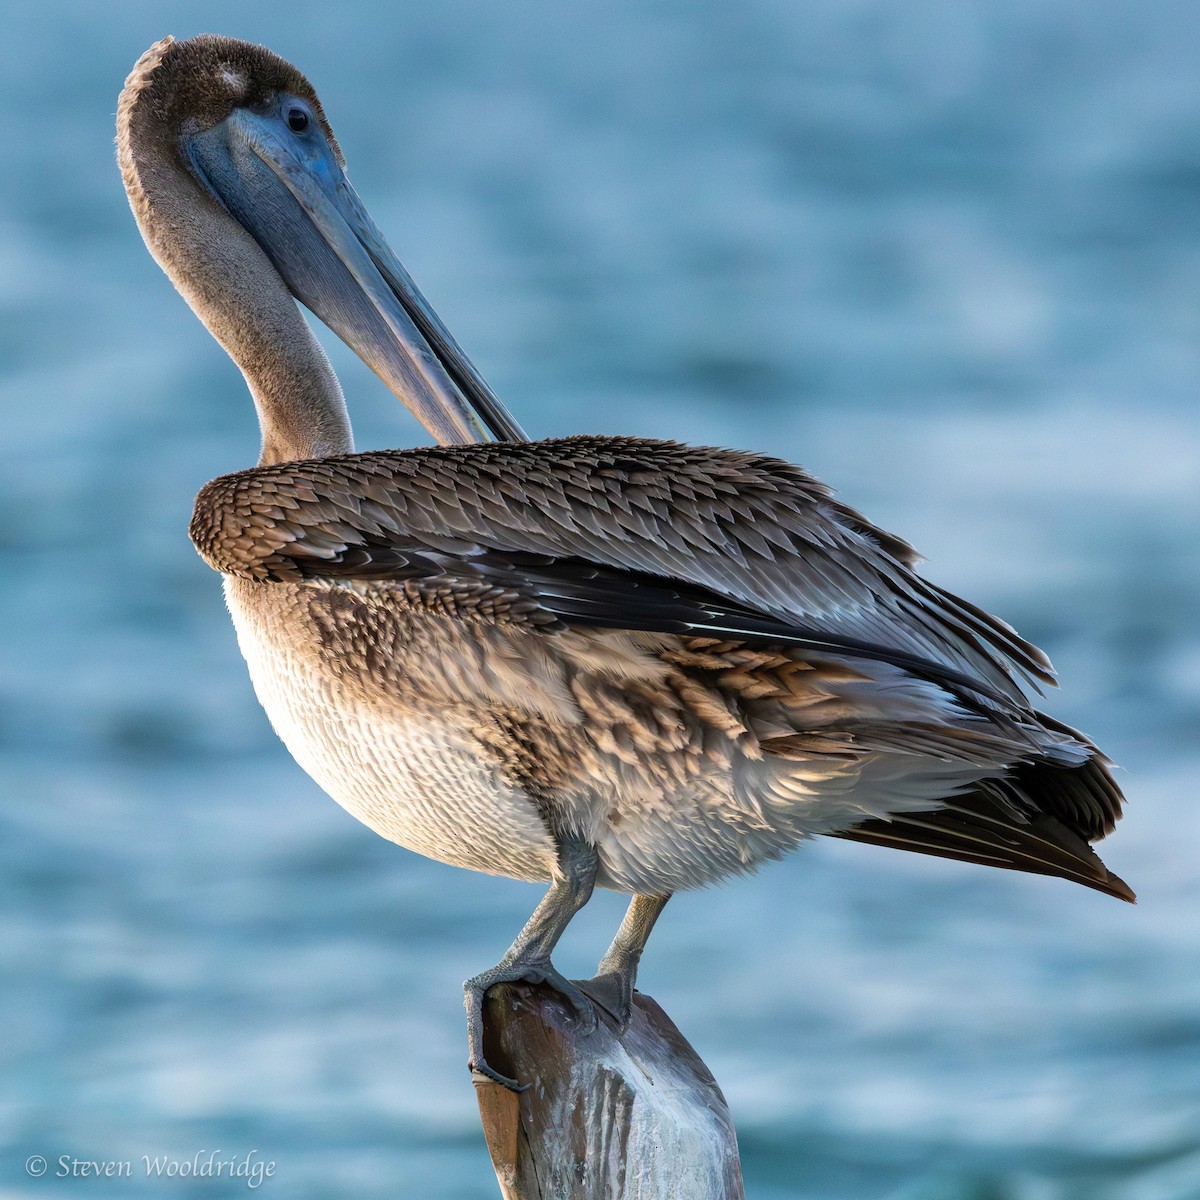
{"points": [[617, 973], [528, 958]]}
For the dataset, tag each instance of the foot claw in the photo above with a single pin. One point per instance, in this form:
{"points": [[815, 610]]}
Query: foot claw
{"points": [[484, 1074]]}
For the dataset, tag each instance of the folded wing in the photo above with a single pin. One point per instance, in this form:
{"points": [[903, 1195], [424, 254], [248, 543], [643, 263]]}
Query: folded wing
{"points": [[695, 542]]}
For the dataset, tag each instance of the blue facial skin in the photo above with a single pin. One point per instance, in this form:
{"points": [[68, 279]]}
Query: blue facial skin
{"points": [[275, 173], [258, 199]]}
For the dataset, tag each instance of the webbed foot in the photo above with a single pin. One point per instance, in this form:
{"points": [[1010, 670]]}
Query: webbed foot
{"points": [[533, 971], [612, 991]]}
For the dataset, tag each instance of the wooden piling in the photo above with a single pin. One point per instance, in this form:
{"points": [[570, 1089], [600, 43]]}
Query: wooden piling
{"points": [[607, 1115]]}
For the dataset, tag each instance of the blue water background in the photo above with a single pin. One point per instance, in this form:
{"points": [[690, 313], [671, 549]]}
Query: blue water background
{"points": [[944, 254]]}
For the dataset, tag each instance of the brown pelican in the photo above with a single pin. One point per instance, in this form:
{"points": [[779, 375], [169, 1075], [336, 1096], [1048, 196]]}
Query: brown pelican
{"points": [[586, 661]]}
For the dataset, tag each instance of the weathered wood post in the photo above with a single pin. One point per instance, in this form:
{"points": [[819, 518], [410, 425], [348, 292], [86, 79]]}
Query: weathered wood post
{"points": [[607, 1115]]}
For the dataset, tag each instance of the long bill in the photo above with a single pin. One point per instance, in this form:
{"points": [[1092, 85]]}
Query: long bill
{"points": [[299, 206]]}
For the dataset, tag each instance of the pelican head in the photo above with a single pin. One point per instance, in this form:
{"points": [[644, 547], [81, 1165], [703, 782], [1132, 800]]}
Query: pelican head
{"points": [[240, 189]]}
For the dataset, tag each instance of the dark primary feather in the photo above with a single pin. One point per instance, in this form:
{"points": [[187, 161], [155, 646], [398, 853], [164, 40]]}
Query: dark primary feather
{"points": [[572, 592], [696, 542], [1034, 821]]}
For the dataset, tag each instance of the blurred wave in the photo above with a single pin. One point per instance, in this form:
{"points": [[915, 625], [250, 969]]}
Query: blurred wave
{"points": [[946, 256]]}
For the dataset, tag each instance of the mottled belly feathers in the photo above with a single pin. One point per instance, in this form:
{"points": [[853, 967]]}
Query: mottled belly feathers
{"points": [[682, 760]]}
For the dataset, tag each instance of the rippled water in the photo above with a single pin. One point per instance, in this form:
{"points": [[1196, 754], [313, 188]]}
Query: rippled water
{"points": [[945, 255]]}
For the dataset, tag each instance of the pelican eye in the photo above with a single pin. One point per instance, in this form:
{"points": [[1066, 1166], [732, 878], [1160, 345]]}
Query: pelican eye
{"points": [[297, 120]]}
